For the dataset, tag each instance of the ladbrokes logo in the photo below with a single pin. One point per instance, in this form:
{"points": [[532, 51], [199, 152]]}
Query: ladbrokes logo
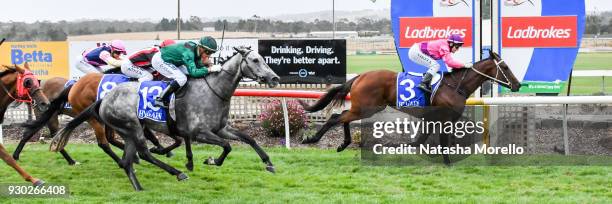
{"points": [[544, 31], [453, 3], [518, 2], [420, 29]]}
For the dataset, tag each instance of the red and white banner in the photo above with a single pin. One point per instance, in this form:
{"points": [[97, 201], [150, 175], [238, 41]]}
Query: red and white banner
{"points": [[540, 31], [419, 29]]}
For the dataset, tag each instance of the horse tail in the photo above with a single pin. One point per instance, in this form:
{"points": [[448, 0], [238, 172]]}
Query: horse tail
{"points": [[335, 96], [56, 106], [60, 140]]}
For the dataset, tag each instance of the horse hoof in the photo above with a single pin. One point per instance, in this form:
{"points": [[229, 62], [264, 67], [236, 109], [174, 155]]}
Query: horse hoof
{"points": [[189, 166], [39, 183], [182, 177], [341, 148], [16, 158], [169, 154], [271, 169], [74, 163], [210, 161]]}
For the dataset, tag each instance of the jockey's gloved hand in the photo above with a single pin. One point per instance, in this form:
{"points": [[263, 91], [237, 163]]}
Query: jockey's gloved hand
{"points": [[214, 68], [468, 65]]}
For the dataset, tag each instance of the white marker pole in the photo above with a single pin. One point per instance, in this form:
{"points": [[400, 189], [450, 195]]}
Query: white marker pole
{"points": [[286, 117], [1, 136]]}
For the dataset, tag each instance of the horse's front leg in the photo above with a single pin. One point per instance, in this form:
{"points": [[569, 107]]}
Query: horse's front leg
{"points": [[209, 137], [188, 154], [233, 134]]}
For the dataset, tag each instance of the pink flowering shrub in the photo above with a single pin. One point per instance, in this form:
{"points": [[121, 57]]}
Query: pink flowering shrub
{"points": [[272, 120]]}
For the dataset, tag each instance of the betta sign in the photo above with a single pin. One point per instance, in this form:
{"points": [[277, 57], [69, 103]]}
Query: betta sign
{"points": [[540, 41], [416, 21], [46, 59]]}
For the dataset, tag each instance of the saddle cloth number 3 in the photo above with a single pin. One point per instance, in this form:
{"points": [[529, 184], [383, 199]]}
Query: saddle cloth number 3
{"points": [[409, 89]]}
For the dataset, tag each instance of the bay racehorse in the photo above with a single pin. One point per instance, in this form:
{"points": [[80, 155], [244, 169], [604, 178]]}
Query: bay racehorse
{"points": [[80, 95], [374, 90], [52, 88], [202, 110], [21, 85]]}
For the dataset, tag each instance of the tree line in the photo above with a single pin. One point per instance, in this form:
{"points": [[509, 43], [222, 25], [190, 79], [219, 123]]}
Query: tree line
{"points": [[59, 31], [277, 26], [596, 24]]}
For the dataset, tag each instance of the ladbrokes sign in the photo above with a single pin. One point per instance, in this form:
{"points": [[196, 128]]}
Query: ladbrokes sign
{"points": [[418, 29], [415, 21], [544, 31], [540, 41]]}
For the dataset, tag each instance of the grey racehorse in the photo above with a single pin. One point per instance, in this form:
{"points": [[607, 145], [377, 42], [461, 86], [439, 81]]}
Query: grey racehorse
{"points": [[202, 110]]}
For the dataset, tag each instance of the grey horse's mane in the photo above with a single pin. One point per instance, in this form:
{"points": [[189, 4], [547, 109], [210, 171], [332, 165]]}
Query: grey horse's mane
{"points": [[223, 61]]}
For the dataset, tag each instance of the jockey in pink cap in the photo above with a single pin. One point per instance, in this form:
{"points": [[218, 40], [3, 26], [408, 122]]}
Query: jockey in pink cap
{"points": [[103, 58], [426, 54]]}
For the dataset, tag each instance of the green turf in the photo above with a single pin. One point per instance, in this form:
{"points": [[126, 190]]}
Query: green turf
{"points": [[308, 176], [589, 86], [357, 64], [593, 61]]}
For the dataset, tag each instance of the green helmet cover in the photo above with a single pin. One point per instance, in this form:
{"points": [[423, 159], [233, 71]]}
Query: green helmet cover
{"points": [[208, 43]]}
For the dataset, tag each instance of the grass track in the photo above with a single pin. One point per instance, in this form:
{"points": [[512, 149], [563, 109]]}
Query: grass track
{"points": [[308, 176]]}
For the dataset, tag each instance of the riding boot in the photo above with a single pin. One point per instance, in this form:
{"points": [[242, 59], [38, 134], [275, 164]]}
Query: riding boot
{"points": [[424, 85], [164, 98]]}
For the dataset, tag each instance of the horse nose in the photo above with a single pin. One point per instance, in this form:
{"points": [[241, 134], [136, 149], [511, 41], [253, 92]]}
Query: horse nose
{"points": [[274, 82], [517, 87]]}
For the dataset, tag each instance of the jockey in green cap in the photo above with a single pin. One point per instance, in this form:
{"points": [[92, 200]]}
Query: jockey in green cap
{"points": [[175, 61]]}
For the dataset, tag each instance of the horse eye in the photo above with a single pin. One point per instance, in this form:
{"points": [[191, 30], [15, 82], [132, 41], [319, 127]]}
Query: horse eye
{"points": [[27, 83], [256, 60]]}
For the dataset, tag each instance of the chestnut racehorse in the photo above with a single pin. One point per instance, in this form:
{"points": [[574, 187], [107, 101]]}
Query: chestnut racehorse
{"points": [[19, 84], [374, 90], [80, 95], [52, 88]]}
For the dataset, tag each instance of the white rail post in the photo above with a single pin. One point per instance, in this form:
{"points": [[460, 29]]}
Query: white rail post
{"points": [[1, 136], [565, 135], [286, 118]]}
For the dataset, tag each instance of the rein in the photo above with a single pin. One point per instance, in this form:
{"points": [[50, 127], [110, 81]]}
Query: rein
{"points": [[229, 73], [497, 63]]}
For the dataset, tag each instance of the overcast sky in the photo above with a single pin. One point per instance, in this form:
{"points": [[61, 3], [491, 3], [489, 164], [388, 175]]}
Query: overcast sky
{"points": [[55, 10]]}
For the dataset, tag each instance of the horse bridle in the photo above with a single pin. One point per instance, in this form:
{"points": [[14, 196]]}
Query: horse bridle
{"points": [[244, 61], [499, 69], [29, 96]]}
